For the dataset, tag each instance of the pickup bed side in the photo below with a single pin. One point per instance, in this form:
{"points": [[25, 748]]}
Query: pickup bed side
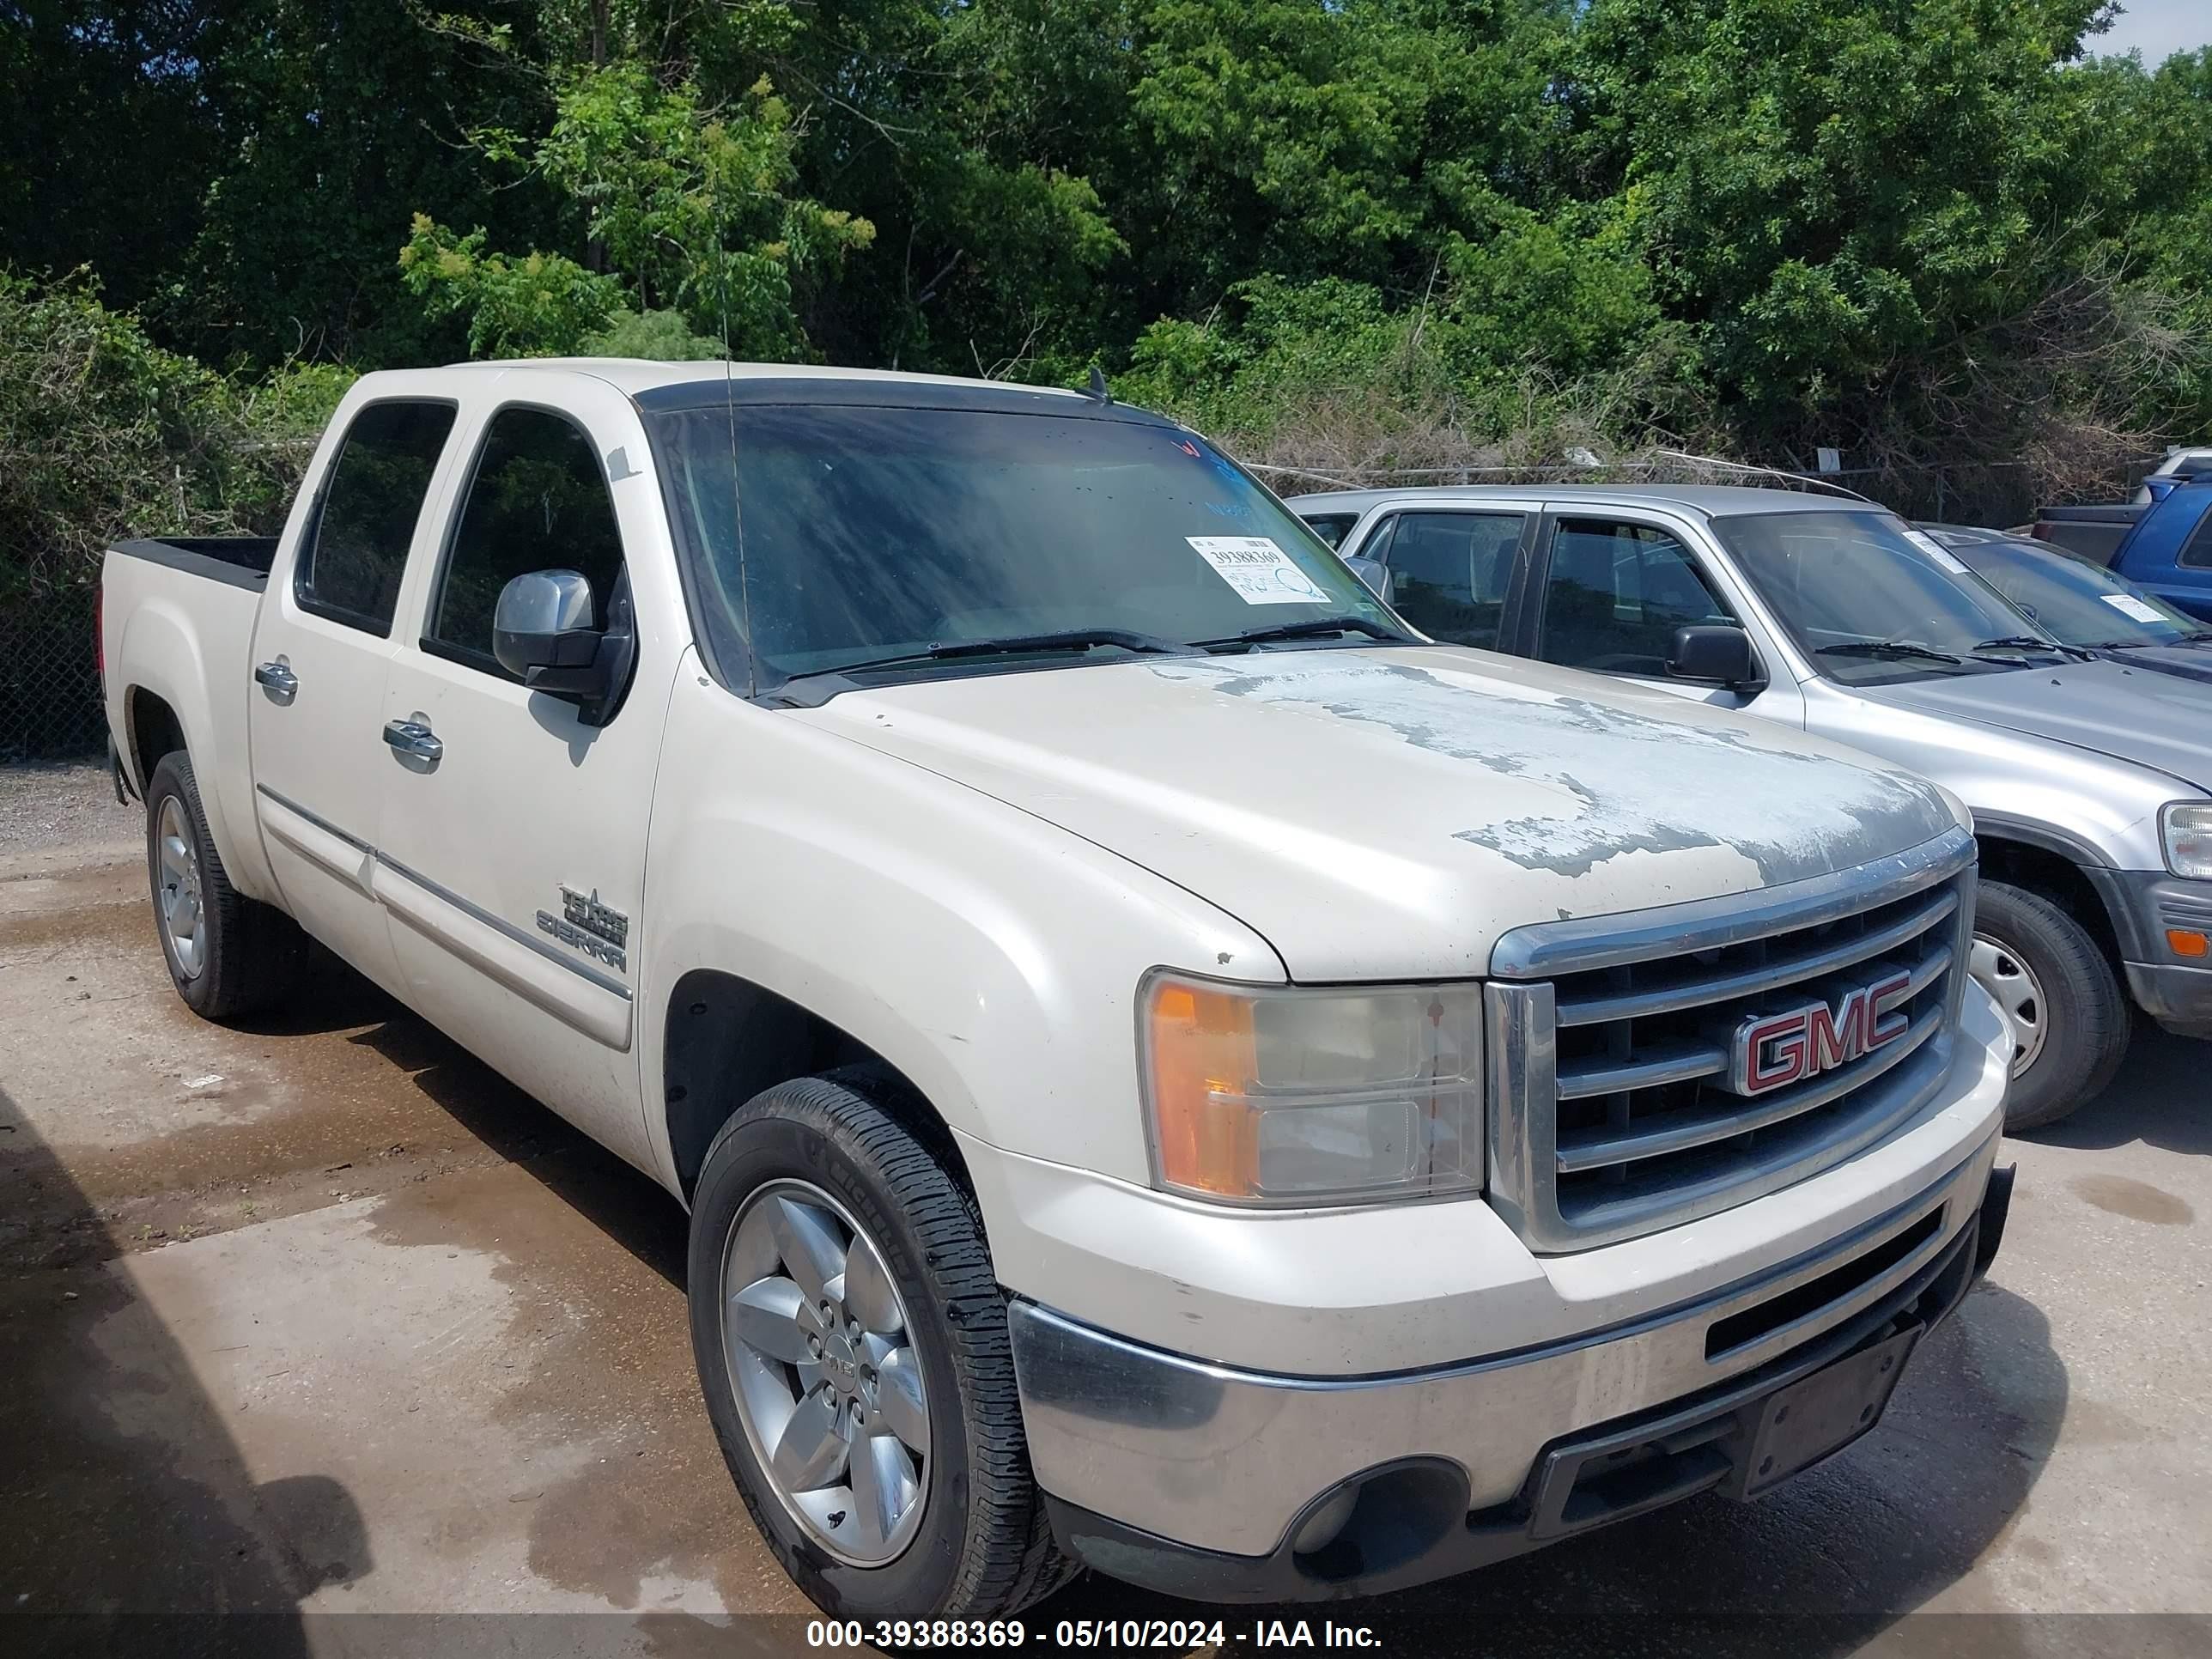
{"points": [[181, 613]]}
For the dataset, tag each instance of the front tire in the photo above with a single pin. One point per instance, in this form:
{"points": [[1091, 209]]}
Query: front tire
{"points": [[2059, 995], [227, 955], [851, 1341]]}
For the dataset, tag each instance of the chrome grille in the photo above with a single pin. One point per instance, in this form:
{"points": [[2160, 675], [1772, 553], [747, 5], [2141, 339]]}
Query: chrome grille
{"points": [[1611, 1043]]}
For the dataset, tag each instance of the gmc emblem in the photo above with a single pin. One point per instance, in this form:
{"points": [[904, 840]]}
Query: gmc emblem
{"points": [[1771, 1051]]}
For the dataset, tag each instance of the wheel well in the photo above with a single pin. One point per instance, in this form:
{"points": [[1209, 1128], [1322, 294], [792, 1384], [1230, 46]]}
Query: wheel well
{"points": [[2057, 878], [728, 1039], [153, 730]]}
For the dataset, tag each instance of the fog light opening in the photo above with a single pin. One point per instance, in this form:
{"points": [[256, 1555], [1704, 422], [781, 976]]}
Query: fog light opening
{"points": [[1379, 1521], [1321, 1527]]}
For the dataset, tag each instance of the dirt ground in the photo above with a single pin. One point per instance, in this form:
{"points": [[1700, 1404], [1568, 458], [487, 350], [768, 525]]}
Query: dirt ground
{"points": [[317, 1321]]}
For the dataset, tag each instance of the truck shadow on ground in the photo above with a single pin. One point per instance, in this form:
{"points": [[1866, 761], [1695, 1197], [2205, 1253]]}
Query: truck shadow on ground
{"points": [[129, 1521]]}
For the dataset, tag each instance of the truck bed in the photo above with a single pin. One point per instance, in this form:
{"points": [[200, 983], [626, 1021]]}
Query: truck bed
{"points": [[241, 561], [2093, 532]]}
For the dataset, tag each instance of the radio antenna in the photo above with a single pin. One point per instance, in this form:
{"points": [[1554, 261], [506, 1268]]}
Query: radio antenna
{"points": [[737, 502]]}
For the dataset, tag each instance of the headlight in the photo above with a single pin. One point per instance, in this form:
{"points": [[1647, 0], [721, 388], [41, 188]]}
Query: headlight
{"points": [[1269, 1094], [2186, 829]]}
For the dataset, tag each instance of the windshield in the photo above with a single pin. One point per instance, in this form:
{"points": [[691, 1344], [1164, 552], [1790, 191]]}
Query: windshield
{"points": [[897, 541], [2080, 604], [1872, 603]]}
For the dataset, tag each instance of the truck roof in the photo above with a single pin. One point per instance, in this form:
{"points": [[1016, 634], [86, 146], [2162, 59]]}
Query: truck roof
{"points": [[1713, 500], [635, 375], [662, 387]]}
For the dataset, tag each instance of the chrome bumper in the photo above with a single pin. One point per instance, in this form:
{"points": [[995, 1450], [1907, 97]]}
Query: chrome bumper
{"points": [[1217, 1464]]}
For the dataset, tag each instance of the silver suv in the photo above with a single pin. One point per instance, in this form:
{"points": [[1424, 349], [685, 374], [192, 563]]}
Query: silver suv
{"points": [[2090, 783]]}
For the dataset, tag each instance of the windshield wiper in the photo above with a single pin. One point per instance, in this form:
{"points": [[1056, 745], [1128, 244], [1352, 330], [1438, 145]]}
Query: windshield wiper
{"points": [[2027, 642], [1901, 649], [1073, 639], [1070, 639], [1319, 628]]}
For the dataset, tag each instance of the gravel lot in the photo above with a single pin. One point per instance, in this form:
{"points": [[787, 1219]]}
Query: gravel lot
{"points": [[317, 1318]]}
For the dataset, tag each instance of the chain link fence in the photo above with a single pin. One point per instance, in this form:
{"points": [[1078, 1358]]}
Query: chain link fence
{"points": [[50, 701]]}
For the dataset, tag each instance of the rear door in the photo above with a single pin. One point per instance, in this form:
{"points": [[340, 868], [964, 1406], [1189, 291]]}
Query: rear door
{"points": [[320, 650], [1610, 587], [512, 859]]}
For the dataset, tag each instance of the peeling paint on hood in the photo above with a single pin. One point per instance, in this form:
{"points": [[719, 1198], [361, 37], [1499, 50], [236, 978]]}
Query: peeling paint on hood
{"points": [[1388, 813]]}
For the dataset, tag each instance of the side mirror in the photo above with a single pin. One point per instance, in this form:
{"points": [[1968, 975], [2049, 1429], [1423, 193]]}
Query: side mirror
{"points": [[1716, 654], [1375, 574], [542, 632]]}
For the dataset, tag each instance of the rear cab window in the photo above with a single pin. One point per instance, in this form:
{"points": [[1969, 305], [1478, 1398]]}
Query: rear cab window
{"points": [[352, 557]]}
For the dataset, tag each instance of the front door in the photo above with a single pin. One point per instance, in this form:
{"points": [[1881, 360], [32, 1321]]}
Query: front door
{"points": [[1608, 595], [320, 650], [1452, 569], [514, 833]]}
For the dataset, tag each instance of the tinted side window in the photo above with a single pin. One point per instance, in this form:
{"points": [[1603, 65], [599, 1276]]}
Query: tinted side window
{"points": [[1332, 527], [1449, 573], [348, 570], [538, 501], [2197, 551], [1614, 595]]}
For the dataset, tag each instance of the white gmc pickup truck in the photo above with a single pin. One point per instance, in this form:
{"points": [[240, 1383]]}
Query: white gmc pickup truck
{"points": [[1168, 1068]]}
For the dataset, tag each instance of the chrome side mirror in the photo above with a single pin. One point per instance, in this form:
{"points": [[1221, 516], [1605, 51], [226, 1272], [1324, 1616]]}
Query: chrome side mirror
{"points": [[541, 630]]}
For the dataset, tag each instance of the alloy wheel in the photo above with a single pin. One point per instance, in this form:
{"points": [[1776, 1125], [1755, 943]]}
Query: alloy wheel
{"points": [[822, 1362], [183, 915]]}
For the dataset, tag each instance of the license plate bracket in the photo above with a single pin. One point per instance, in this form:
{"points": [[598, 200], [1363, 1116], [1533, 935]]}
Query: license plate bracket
{"points": [[1817, 1416]]}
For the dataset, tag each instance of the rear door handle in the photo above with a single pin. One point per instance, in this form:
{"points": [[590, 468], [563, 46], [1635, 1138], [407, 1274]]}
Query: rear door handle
{"points": [[278, 680], [414, 741]]}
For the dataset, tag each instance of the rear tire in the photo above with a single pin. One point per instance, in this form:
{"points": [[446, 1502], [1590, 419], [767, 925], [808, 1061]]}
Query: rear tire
{"points": [[2068, 1016], [979, 1546], [228, 956]]}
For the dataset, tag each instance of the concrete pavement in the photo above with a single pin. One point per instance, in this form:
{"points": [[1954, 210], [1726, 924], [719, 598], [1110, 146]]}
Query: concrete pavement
{"points": [[320, 1318]]}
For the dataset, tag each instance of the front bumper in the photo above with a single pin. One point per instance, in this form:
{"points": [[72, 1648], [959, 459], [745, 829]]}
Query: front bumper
{"points": [[1199, 1480], [2179, 999], [2144, 905]]}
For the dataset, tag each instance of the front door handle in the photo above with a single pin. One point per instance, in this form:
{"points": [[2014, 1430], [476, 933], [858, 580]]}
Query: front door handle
{"points": [[413, 740], [278, 680]]}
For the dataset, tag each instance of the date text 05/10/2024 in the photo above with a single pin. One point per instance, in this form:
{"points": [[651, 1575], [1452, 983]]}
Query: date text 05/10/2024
{"points": [[1169, 1635]]}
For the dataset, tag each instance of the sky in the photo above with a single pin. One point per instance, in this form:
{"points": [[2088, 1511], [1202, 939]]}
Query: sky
{"points": [[2157, 28]]}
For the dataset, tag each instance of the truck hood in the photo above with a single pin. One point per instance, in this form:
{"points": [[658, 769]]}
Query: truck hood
{"points": [[1389, 813], [2160, 721]]}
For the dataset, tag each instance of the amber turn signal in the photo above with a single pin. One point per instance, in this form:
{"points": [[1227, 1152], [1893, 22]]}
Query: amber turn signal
{"points": [[1202, 1061]]}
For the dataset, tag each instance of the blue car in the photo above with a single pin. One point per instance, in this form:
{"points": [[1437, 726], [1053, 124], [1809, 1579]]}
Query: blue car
{"points": [[2163, 544]]}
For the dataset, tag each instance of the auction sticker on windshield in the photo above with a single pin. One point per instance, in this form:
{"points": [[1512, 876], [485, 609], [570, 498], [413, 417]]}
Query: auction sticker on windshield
{"points": [[2128, 605], [1935, 551], [1260, 572]]}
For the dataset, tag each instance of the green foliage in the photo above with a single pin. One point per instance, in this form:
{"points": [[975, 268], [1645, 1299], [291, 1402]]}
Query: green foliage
{"points": [[1921, 229], [104, 434], [534, 306], [660, 337], [688, 205]]}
